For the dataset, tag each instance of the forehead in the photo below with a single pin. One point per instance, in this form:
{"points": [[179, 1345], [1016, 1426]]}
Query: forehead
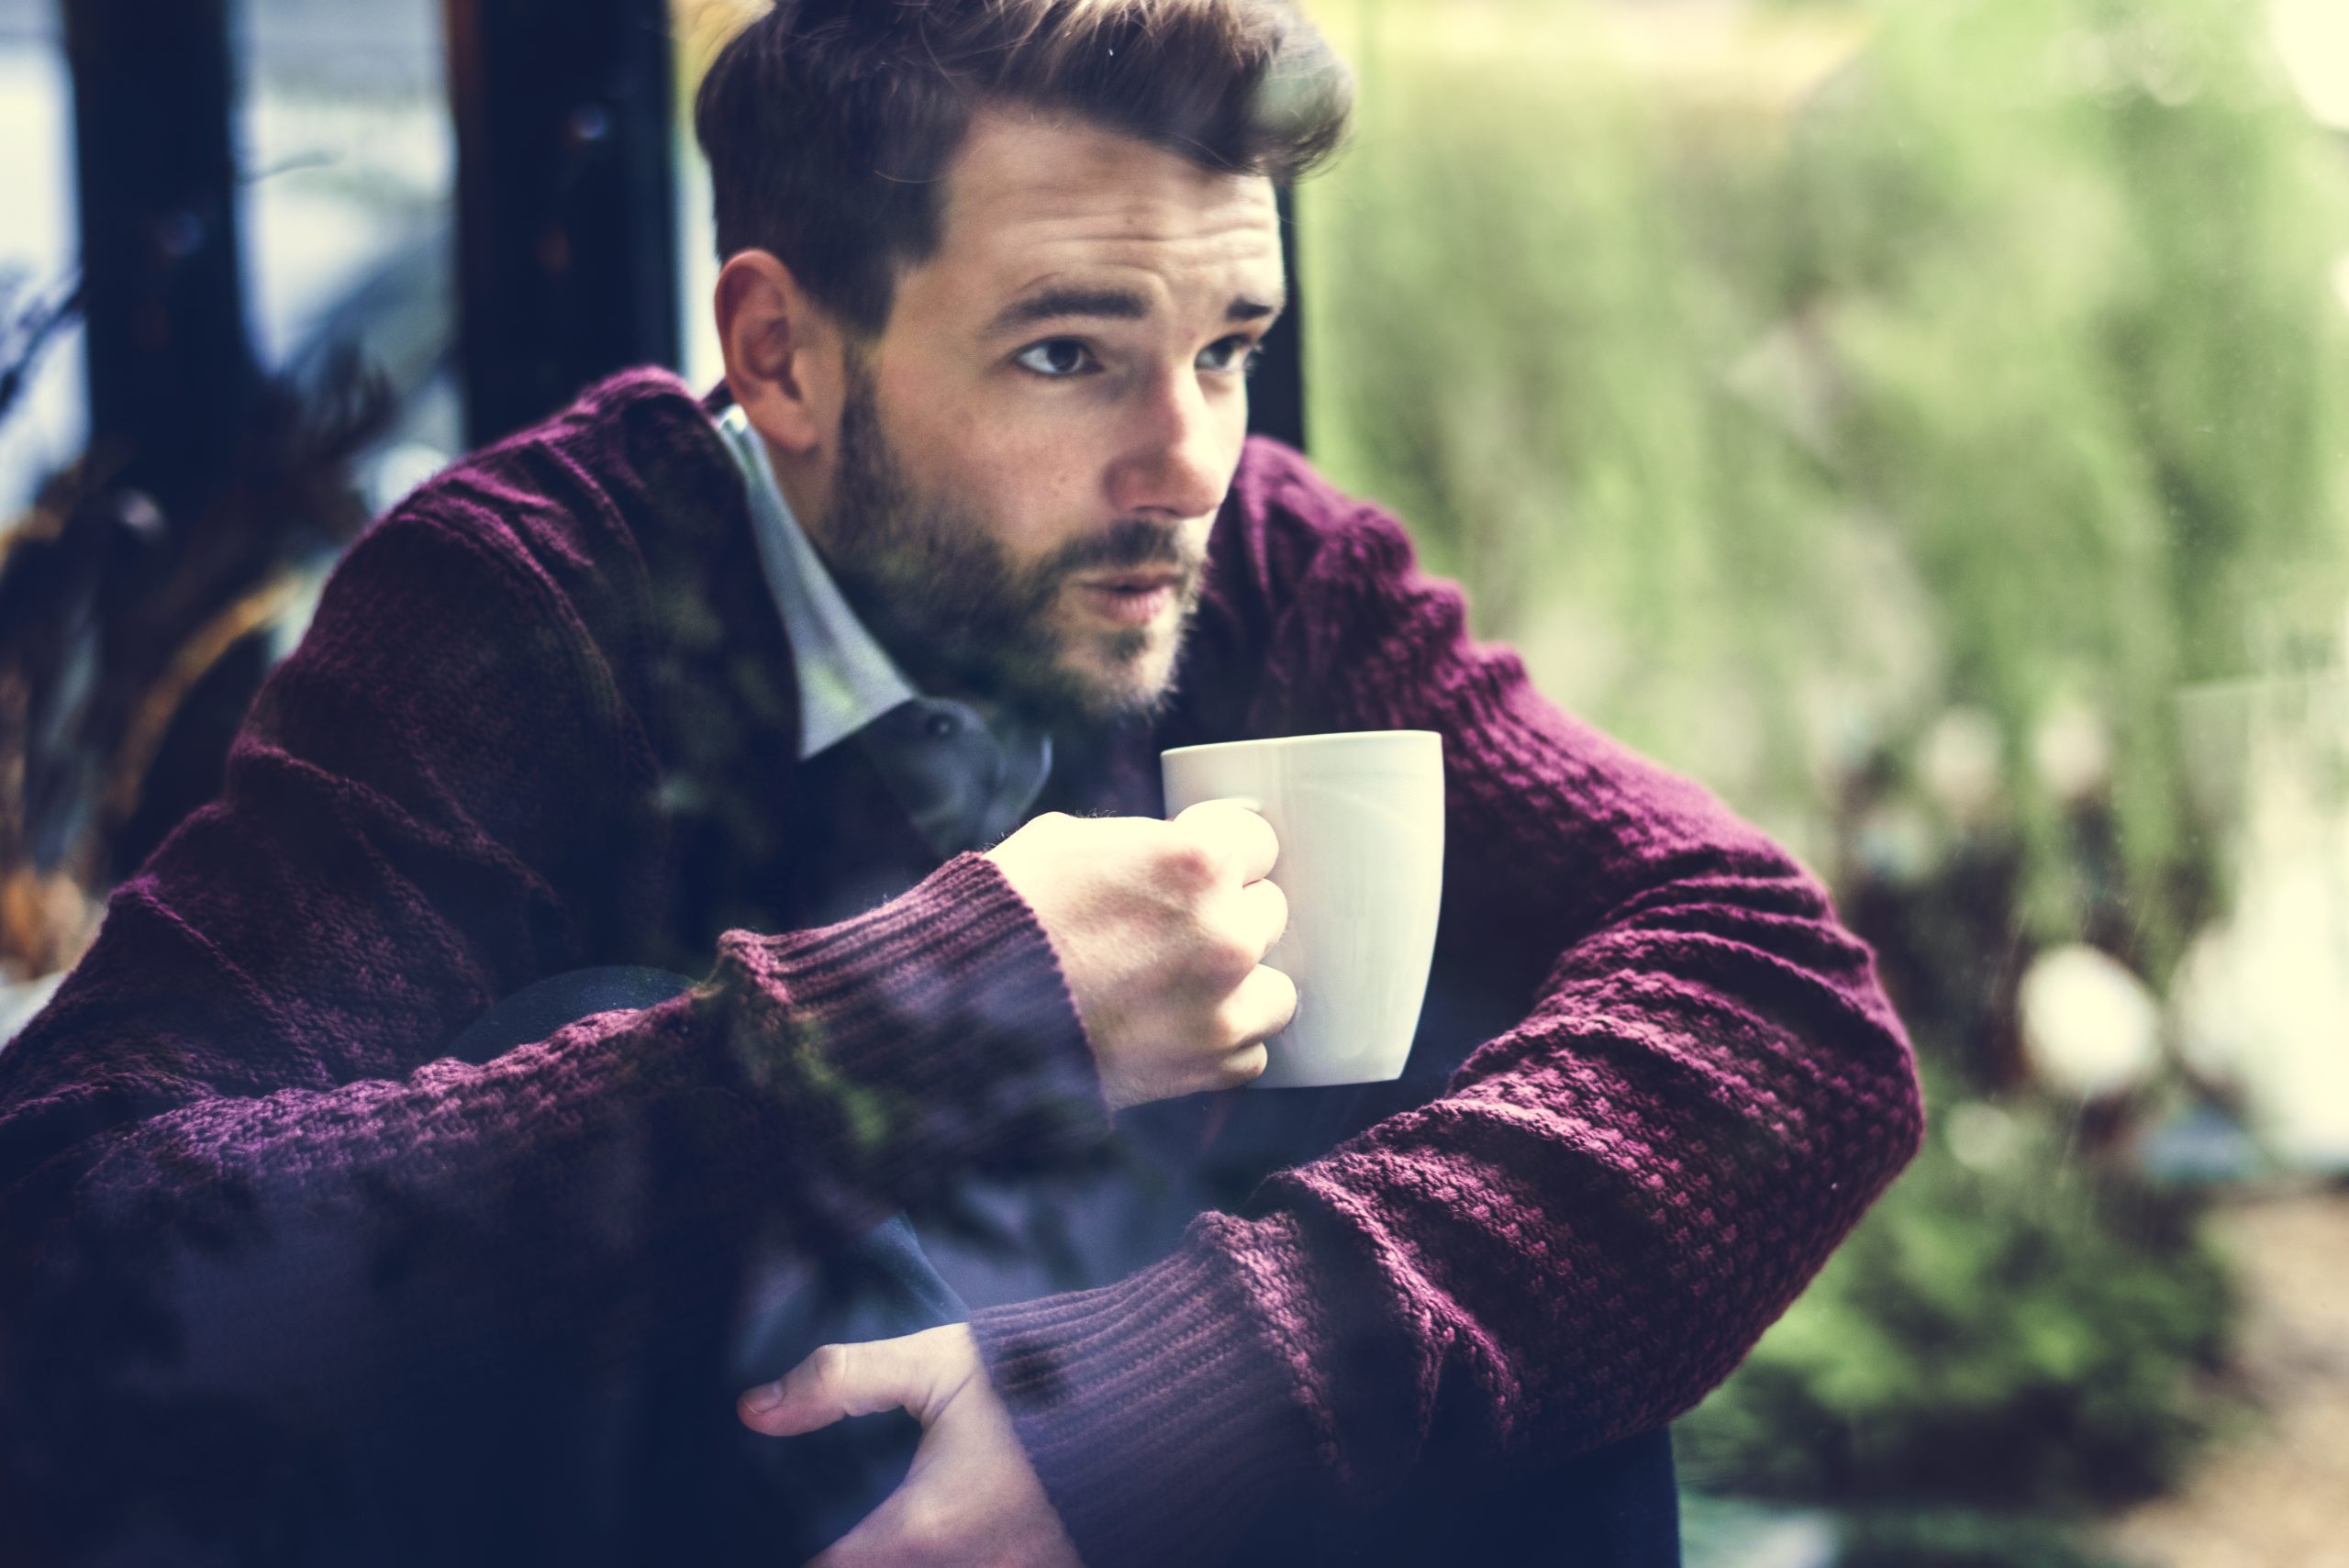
{"points": [[1030, 198]]}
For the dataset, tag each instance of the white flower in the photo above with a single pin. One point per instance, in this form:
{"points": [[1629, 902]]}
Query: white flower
{"points": [[2263, 1005], [2089, 1026], [1982, 1136], [2072, 751], [1958, 763]]}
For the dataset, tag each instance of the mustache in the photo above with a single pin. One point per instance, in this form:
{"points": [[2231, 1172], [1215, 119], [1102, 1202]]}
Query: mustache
{"points": [[1128, 545]]}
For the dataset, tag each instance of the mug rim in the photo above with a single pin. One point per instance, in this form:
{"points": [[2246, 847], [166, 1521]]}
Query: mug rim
{"points": [[1284, 742]]}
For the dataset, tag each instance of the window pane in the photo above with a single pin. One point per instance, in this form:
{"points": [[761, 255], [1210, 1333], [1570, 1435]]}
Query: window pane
{"points": [[43, 429], [350, 167]]}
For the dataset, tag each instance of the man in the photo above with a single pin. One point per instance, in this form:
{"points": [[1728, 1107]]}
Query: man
{"points": [[294, 1232]]}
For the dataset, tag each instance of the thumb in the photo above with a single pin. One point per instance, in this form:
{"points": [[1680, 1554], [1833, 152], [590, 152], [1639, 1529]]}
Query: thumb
{"points": [[836, 1381]]}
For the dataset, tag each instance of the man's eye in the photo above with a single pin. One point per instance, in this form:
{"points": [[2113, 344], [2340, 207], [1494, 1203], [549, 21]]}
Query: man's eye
{"points": [[1058, 358], [1231, 355]]}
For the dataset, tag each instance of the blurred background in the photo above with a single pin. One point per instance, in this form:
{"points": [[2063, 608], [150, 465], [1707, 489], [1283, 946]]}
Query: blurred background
{"points": [[1925, 421]]}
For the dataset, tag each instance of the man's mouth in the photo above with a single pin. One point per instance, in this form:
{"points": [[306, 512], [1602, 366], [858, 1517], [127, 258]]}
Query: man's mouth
{"points": [[1134, 598]]}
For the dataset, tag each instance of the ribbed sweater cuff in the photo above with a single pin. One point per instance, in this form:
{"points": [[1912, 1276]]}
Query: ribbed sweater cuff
{"points": [[1159, 1421], [927, 1037]]}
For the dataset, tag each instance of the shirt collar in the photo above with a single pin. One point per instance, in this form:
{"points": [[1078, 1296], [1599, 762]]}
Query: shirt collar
{"points": [[846, 679]]}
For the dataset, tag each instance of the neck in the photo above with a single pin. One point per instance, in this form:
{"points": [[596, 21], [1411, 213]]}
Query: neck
{"points": [[803, 482]]}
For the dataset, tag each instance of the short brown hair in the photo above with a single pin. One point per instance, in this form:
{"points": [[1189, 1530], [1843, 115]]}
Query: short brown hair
{"points": [[828, 124]]}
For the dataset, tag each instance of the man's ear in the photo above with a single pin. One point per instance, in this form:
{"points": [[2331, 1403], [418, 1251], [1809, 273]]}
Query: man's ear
{"points": [[784, 352]]}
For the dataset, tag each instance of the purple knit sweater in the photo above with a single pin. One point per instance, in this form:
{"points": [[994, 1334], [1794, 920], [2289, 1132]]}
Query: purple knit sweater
{"points": [[492, 759]]}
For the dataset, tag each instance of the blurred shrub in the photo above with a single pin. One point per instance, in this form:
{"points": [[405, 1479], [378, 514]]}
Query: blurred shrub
{"points": [[1879, 411], [1773, 382], [2021, 1332], [1961, 1541]]}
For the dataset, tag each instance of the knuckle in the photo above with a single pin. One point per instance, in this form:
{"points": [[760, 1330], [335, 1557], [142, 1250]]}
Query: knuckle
{"points": [[828, 1367], [1259, 1008], [1188, 865], [1238, 1024], [1226, 1032], [1217, 968], [1279, 1006], [1232, 957], [1246, 1066], [1267, 837], [1276, 907]]}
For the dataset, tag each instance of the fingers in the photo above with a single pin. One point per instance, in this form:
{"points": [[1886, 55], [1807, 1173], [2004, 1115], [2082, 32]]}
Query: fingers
{"points": [[1265, 912], [1259, 1008], [1243, 1066], [834, 1381], [1239, 841]]}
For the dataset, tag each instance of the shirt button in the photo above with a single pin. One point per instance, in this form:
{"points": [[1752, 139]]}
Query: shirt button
{"points": [[941, 726]]}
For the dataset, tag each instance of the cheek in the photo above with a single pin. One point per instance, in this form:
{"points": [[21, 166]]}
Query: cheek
{"points": [[1025, 469], [970, 472], [1037, 499]]}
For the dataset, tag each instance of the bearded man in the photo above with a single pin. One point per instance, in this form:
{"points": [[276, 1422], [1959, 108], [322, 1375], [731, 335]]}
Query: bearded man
{"points": [[378, 1188]]}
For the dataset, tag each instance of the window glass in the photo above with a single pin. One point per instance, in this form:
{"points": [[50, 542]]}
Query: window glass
{"points": [[701, 27], [42, 429], [348, 164], [1928, 425]]}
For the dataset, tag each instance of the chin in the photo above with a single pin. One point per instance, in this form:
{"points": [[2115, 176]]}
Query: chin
{"points": [[1111, 689], [1104, 675]]}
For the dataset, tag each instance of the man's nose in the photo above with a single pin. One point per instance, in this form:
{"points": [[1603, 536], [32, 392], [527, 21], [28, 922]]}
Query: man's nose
{"points": [[1179, 452]]}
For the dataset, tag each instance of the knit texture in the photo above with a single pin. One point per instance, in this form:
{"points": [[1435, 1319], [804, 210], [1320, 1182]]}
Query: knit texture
{"points": [[1606, 1206], [541, 722]]}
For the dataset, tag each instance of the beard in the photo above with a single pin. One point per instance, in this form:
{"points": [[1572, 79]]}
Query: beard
{"points": [[939, 591]]}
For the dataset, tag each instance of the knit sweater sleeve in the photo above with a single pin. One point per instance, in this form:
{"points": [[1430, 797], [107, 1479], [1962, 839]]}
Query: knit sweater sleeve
{"points": [[1593, 1223], [237, 1117]]}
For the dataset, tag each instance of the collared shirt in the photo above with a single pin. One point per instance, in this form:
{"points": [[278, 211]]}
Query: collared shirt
{"points": [[964, 777]]}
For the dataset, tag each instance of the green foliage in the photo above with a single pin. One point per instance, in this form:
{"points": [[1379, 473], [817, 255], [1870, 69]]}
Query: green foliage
{"points": [[2022, 1333], [1946, 1539], [1781, 392], [1518, 341], [2004, 371]]}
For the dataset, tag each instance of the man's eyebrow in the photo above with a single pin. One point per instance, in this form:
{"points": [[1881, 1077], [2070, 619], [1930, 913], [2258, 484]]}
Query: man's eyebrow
{"points": [[1058, 304], [1112, 304]]}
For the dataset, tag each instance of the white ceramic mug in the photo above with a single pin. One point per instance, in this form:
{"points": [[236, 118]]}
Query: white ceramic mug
{"points": [[1360, 818]]}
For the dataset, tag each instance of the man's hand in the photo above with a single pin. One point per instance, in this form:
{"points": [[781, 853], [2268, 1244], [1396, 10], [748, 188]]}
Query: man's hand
{"points": [[971, 1498], [1162, 929]]}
